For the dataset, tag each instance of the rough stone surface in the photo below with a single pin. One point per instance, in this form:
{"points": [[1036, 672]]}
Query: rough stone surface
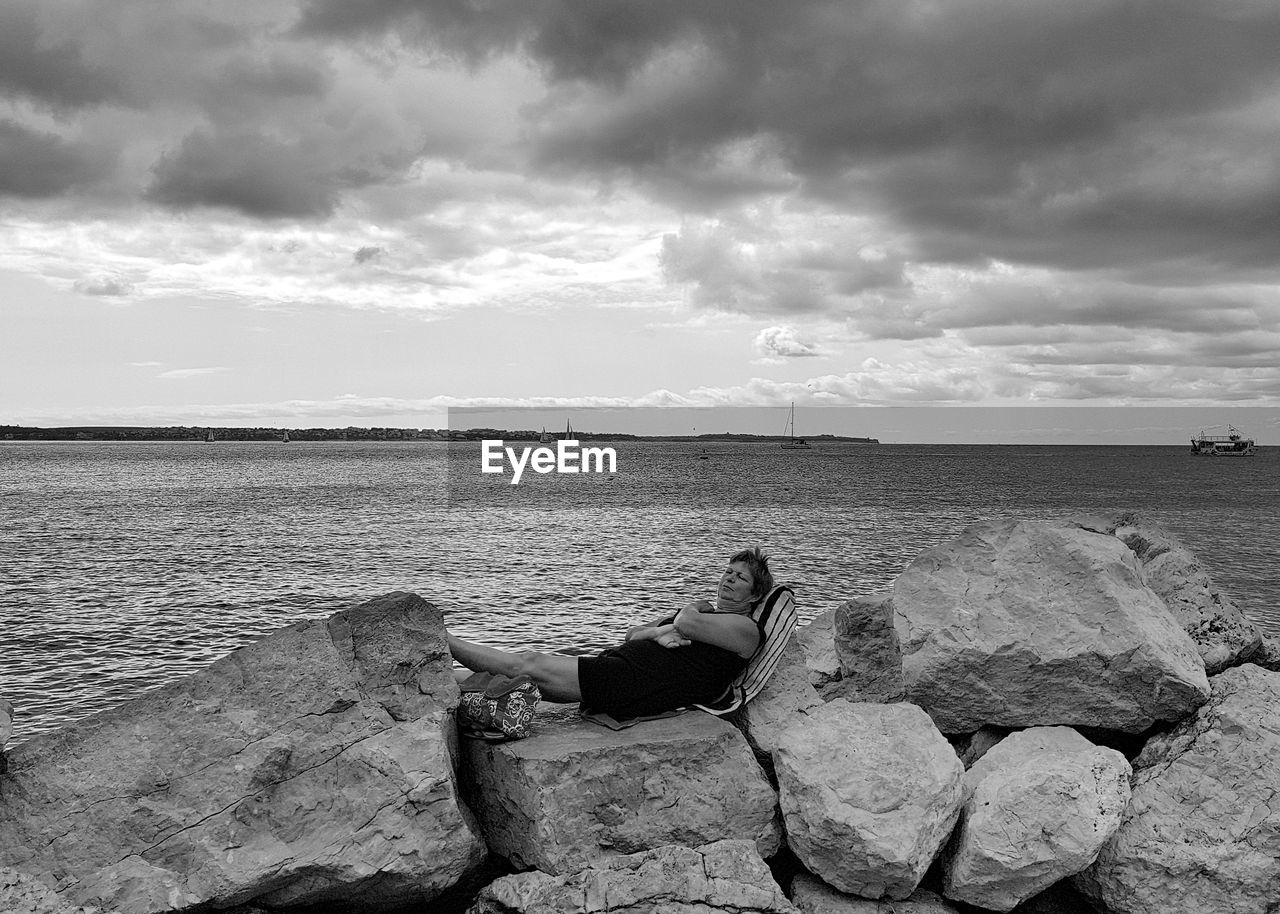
{"points": [[1220, 631], [1023, 623], [575, 792], [724, 876], [787, 695], [813, 896], [867, 646], [6, 722], [315, 764], [817, 639], [1202, 832], [1268, 655], [23, 894], [869, 793], [1038, 808]]}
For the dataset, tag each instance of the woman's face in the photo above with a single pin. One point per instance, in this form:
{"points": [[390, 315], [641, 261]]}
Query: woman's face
{"points": [[736, 582]]}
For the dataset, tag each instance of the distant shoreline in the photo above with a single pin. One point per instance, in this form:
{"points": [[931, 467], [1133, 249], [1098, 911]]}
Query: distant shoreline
{"points": [[354, 433]]}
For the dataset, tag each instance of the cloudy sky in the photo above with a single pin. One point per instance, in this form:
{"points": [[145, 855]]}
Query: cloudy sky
{"points": [[333, 212]]}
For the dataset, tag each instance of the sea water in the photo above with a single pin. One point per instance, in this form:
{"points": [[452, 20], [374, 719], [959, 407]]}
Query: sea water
{"points": [[126, 565]]}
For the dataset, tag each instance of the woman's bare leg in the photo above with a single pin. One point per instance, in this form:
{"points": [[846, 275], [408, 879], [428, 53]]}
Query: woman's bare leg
{"points": [[554, 674]]}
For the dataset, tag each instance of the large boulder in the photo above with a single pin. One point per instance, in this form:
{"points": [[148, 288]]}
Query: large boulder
{"points": [[575, 792], [1025, 623], [817, 639], [869, 793], [787, 695], [813, 896], [316, 764], [1222, 635], [866, 641], [724, 876], [1038, 808], [1202, 832]]}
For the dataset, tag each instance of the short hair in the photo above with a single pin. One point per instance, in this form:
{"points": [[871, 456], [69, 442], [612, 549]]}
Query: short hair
{"points": [[758, 563]]}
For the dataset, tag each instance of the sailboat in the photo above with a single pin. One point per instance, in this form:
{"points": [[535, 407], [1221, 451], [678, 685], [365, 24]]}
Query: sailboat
{"points": [[209, 439], [568, 432], [284, 439], [795, 444]]}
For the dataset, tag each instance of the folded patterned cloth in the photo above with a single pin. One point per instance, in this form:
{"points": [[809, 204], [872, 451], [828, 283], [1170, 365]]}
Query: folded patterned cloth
{"points": [[496, 707]]}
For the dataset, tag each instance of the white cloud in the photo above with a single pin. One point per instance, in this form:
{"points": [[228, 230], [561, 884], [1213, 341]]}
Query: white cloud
{"points": [[777, 344], [190, 372]]}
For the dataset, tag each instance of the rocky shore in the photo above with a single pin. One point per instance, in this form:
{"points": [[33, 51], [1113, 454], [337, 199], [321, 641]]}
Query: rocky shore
{"points": [[1038, 717]]}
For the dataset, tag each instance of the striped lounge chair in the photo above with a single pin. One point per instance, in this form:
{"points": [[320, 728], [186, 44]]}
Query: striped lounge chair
{"points": [[776, 618]]}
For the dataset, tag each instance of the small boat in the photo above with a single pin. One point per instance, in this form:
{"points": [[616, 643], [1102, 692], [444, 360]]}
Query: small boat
{"points": [[209, 439], [1232, 444], [284, 439], [795, 444], [546, 437]]}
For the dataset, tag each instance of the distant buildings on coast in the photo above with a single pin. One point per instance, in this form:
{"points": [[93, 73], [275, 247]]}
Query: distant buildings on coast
{"points": [[353, 433]]}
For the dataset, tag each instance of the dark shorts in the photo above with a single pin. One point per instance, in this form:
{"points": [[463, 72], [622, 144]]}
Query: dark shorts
{"points": [[640, 678]]}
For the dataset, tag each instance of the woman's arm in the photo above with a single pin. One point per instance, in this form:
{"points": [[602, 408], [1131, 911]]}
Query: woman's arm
{"points": [[731, 631], [648, 629], [666, 635]]}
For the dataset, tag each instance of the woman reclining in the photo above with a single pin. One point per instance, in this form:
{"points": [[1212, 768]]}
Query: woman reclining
{"points": [[672, 663]]}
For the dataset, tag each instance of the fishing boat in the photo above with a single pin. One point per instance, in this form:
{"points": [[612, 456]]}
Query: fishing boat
{"points": [[795, 444], [1232, 444]]}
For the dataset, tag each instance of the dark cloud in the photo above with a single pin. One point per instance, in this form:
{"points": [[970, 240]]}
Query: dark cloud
{"points": [[248, 172], [54, 73], [108, 286], [36, 164], [367, 253], [275, 77], [1076, 135]]}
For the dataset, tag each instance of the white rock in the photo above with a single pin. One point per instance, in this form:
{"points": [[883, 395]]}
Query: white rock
{"points": [[1202, 832], [1039, 807], [725, 876], [817, 640], [869, 793], [1021, 623], [313, 765], [866, 643], [575, 792], [1223, 636], [787, 696]]}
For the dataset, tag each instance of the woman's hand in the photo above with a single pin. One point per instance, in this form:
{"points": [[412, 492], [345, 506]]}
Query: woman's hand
{"points": [[667, 636]]}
